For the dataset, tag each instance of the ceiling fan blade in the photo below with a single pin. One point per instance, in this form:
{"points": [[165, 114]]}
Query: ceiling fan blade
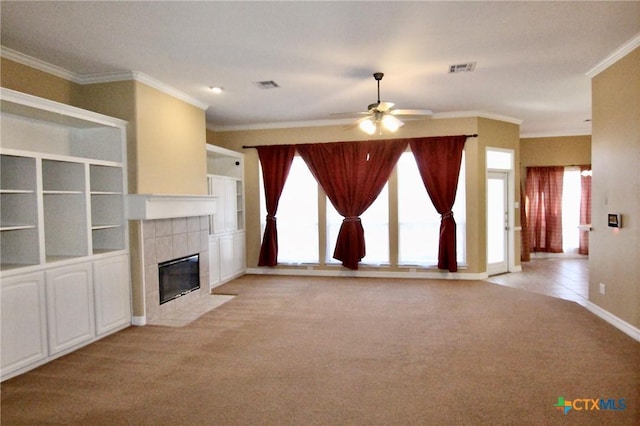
{"points": [[350, 114], [356, 123], [385, 106], [412, 112]]}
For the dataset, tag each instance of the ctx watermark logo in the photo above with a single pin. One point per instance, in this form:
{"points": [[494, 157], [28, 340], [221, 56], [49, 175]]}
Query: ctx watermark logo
{"points": [[590, 404]]}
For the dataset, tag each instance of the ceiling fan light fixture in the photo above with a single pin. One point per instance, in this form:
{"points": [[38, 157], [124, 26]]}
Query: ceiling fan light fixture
{"points": [[368, 126], [391, 123]]}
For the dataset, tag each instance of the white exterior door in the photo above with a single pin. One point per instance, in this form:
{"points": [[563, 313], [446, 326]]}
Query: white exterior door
{"points": [[497, 223]]}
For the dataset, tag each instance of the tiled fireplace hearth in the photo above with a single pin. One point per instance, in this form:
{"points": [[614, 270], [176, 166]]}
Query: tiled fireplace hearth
{"points": [[170, 227], [168, 239]]}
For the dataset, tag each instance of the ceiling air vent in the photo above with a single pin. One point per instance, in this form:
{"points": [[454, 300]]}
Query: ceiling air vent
{"points": [[468, 67], [267, 84]]}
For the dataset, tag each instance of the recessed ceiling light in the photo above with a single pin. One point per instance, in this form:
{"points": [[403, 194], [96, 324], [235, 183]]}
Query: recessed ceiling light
{"points": [[215, 89]]}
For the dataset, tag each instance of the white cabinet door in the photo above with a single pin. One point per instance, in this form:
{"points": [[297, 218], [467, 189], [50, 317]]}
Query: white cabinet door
{"points": [[217, 190], [112, 293], [226, 257], [70, 309], [239, 262], [214, 261], [225, 218], [230, 205], [23, 322]]}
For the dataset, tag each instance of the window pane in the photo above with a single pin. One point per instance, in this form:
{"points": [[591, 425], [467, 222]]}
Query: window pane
{"points": [[500, 160], [418, 220], [375, 222], [297, 216]]}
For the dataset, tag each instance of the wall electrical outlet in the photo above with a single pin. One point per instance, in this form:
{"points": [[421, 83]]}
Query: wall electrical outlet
{"points": [[602, 288]]}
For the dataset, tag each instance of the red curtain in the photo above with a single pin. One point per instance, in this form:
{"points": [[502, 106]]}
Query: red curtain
{"points": [[585, 209], [352, 175], [544, 208], [276, 163], [438, 160]]}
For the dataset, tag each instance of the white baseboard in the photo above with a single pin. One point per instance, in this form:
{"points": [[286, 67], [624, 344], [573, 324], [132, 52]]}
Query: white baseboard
{"points": [[139, 321], [618, 323], [341, 272]]}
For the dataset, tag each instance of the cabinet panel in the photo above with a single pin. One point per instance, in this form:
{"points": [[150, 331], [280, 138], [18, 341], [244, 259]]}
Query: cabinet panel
{"points": [[214, 261], [23, 322], [112, 293], [227, 212], [226, 257], [216, 188], [70, 306], [239, 262], [230, 205]]}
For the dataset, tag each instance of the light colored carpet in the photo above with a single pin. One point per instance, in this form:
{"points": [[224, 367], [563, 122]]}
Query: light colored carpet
{"points": [[345, 351]]}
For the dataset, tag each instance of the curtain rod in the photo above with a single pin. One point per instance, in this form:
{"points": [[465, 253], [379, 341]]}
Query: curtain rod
{"points": [[475, 135]]}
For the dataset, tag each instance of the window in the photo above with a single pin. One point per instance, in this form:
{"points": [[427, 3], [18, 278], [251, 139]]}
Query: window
{"points": [[375, 221], [418, 220], [297, 216]]}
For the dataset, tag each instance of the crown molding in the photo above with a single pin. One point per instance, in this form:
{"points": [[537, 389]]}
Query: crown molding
{"points": [[84, 79], [559, 134], [141, 78], [37, 64], [615, 56], [480, 114]]}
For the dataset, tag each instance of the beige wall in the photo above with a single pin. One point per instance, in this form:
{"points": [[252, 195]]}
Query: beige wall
{"points": [[555, 151], [495, 134], [615, 253], [25, 79], [171, 144]]}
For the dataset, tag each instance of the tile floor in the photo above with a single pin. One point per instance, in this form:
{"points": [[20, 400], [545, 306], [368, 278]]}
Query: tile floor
{"points": [[561, 277], [191, 312]]}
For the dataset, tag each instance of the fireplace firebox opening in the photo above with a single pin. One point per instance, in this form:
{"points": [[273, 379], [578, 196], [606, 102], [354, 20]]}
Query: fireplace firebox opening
{"points": [[178, 277]]}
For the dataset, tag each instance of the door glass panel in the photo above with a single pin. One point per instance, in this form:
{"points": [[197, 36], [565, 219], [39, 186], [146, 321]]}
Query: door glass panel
{"points": [[496, 220]]}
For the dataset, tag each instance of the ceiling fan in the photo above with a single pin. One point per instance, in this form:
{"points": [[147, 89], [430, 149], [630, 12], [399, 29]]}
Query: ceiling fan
{"points": [[382, 115]]}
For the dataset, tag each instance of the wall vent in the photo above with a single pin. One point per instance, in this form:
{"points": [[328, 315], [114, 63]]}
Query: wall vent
{"points": [[267, 84], [468, 67]]}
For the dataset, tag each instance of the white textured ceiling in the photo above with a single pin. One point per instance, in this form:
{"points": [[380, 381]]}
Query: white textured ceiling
{"points": [[531, 56]]}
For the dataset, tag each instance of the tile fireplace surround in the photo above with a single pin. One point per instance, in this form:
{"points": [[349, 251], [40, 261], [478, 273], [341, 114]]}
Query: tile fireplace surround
{"points": [[168, 239]]}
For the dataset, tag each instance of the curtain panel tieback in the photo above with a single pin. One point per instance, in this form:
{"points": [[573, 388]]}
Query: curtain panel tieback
{"points": [[271, 217], [446, 215], [351, 219]]}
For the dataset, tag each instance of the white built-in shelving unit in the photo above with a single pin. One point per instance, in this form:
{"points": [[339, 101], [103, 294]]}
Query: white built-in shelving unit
{"points": [[227, 247], [63, 235]]}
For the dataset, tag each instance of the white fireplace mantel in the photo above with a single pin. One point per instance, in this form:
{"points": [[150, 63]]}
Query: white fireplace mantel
{"points": [[162, 206]]}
